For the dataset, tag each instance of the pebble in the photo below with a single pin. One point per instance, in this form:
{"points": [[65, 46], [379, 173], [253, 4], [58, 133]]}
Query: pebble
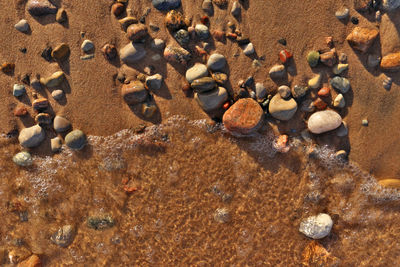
{"points": [[18, 90], [57, 94], [316, 227], [117, 9], [390, 5], [324, 121], [282, 109], [40, 104], [40, 7], [61, 16], [154, 82], [23, 159], [136, 32], [308, 106], [261, 91], [362, 38], [328, 58], [109, 51], [219, 35], [341, 154], [60, 52], [134, 93], [46, 54], [391, 62], [203, 84], [342, 130], [177, 55], [212, 100], [341, 84], [320, 104], [284, 56], [378, 15], [174, 21], [7, 67], [20, 110], [75, 139], [284, 91], [53, 80], [313, 58], [245, 116], [64, 236], [202, 31], [157, 44], [87, 46], [216, 62], [197, 71], [342, 13], [182, 37], [220, 78], [299, 91], [315, 82], [55, 144], [387, 82], [127, 21], [61, 124], [282, 41], [148, 110], [354, 20], [373, 60], [43, 119], [248, 49], [339, 68], [31, 136], [22, 26], [324, 91], [132, 53], [221, 215], [339, 101], [236, 9], [165, 5], [207, 7], [277, 72], [100, 222], [364, 122]]}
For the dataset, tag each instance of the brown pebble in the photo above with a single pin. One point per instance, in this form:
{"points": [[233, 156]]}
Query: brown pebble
{"points": [[186, 89], [328, 58], [117, 9], [43, 118], [136, 32], [320, 104], [174, 21], [7, 68], [20, 111], [32, 261], [362, 38], [60, 52], [109, 51], [40, 104], [219, 35], [324, 91]]}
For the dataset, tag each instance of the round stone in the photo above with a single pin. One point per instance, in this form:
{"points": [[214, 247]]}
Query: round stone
{"points": [[75, 139], [174, 21], [18, 90], [134, 93], [57, 94], [154, 82], [282, 109], [202, 31], [23, 159], [212, 100], [61, 124], [216, 62], [132, 53], [316, 227], [313, 58], [284, 91], [277, 72], [136, 32], [165, 5], [22, 26], [244, 117], [342, 13], [197, 71], [182, 37], [64, 236], [87, 46], [324, 121], [31, 136], [341, 84], [203, 84], [109, 51]]}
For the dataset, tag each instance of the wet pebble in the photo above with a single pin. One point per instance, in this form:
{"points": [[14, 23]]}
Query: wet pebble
{"points": [[165, 5], [154, 82], [261, 91], [221, 215], [284, 91], [362, 38], [216, 62], [282, 109], [134, 92], [277, 72], [75, 140], [320, 104], [61, 124], [55, 144], [31, 136], [23, 159], [308, 106], [212, 100], [64, 236], [316, 227], [324, 121], [313, 58], [339, 101], [132, 53], [87, 46], [22, 26], [18, 90], [248, 49], [197, 71], [40, 7], [341, 84]]}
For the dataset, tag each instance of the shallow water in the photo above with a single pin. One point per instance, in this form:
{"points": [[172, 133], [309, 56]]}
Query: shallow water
{"points": [[184, 171]]}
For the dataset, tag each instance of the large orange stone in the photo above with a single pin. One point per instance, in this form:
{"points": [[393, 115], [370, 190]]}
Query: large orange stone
{"points": [[244, 116], [362, 38], [391, 61]]}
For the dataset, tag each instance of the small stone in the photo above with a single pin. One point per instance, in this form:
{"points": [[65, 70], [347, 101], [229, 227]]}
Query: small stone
{"points": [[154, 82], [61, 16], [109, 51], [157, 44], [373, 60], [61, 124], [387, 82], [284, 56], [342, 130], [117, 9], [40, 104], [324, 121], [328, 58], [64, 236], [378, 15], [220, 78], [46, 54], [22, 26], [127, 21], [100, 222], [148, 110], [362, 38], [248, 49], [354, 20], [182, 37], [282, 41], [313, 58], [282, 109], [43, 119], [212, 100], [245, 116], [339, 101], [208, 7], [339, 68], [203, 84], [315, 82], [364, 122], [87, 46], [341, 84], [342, 13], [53, 80], [132, 53], [391, 62], [87, 57], [174, 21], [134, 93], [202, 31], [221, 215], [308, 106], [40, 7], [261, 91], [18, 90], [221, 3], [249, 82], [299, 91], [197, 71], [32, 261], [341, 155], [316, 227], [60, 52], [284, 91], [57, 94], [23, 159], [55, 144], [324, 92], [236, 9], [75, 139], [165, 5], [277, 72], [177, 55], [31, 136], [219, 35], [216, 62], [20, 110], [26, 79], [320, 104], [136, 32]]}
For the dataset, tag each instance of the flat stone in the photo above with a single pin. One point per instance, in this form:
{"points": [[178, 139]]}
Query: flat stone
{"points": [[56, 144], [53, 80], [342, 13], [22, 26], [64, 236], [154, 82], [339, 101], [362, 38], [277, 72], [60, 52], [132, 53], [391, 62], [197, 71], [31, 136], [284, 91], [40, 104], [244, 117], [203, 84], [282, 109], [40, 7], [18, 90], [136, 32], [216, 62], [177, 55], [324, 121], [248, 49], [157, 44], [23, 159], [261, 91], [339, 68], [316, 227], [75, 140], [61, 124], [165, 5], [202, 31], [315, 82], [87, 46], [57, 94], [212, 100], [298, 91], [341, 84], [313, 58], [134, 93]]}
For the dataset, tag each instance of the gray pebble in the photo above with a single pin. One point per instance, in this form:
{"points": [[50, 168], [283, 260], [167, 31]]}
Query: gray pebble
{"points": [[284, 91], [387, 82], [373, 60], [202, 31], [216, 62], [61, 124], [57, 94], [23, 159], [19, 90], [197, 71], [248, 49], [236, 9], [35, 84], [261, 91], [341, 84], [277, 72], [75, 140], [154, 82], [342, 130], [207, 7], [22, 26], [342, 14], [87, 46], [31, 136]]}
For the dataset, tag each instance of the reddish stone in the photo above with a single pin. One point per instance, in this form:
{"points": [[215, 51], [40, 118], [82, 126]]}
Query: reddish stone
{"points": [[280, 143], [285, 55], [328, 58], [320, 104], [362, 38], [231, 35], [219, 35], [391, 62], [244, 117], [205, 20], [117, 9], [324, 91], [20, 111], [226, 105], [32, 261]]}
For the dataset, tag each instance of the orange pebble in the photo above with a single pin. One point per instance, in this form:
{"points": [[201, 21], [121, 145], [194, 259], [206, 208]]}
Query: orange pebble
{"points": [[320, 104], [324, 91], [285, 55], [226, 105], [205, 20]]}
